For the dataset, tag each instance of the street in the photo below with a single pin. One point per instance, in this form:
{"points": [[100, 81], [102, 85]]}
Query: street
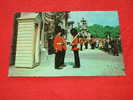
{"points": [[93, 63]]}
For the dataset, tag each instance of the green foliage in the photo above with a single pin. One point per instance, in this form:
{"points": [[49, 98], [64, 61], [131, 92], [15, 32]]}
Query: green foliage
{"points": [[101, 31]]}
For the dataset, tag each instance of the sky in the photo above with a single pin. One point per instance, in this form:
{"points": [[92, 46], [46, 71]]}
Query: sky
{"points": [[95, 17]]}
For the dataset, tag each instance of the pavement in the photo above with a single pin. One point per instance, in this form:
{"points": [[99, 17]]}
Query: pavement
{"points": [[93, 63]]}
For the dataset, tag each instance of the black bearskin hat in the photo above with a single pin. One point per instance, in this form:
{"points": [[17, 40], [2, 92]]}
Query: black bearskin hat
{"points": [[74, 32], [57, 29]]}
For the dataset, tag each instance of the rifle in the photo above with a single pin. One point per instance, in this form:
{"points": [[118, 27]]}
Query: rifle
{"points": [[74, 38]]}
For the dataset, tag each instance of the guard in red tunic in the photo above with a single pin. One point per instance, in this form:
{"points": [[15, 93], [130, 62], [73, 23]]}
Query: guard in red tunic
{"points": [[75, 49], [58, 50], [64, 48]]}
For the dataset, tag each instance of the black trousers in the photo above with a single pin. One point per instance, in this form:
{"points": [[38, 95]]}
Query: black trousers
{"points": [[92, 46], [63, 57], [86, 45], [58, 59], [76, 58]]}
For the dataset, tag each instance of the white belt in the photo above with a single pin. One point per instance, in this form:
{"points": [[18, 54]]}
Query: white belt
{"points": [[59, 43]]}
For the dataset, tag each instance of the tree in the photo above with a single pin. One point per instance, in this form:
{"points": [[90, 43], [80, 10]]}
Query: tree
{"points": [[101, 31]]}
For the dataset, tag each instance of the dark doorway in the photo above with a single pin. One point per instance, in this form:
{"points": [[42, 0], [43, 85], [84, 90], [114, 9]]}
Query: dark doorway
{"points": [[14, 39]]}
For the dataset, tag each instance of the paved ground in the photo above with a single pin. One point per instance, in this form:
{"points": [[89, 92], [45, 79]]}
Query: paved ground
{"points": [[93, 63]]}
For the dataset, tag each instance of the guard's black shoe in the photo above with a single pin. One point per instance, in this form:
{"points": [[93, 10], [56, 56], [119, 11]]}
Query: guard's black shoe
{"points": [[63, 65], [76, 66], [58, 68]]}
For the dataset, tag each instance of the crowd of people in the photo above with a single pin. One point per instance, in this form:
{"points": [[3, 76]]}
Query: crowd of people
{"points": [[109, 45]]}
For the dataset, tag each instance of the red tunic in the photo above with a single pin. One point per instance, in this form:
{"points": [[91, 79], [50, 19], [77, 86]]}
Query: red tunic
{"points": [[58, 43], [75, 43]]}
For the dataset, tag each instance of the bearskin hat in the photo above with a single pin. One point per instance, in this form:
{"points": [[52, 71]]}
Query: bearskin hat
{"points": [[57, 29], [74, 32]]}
